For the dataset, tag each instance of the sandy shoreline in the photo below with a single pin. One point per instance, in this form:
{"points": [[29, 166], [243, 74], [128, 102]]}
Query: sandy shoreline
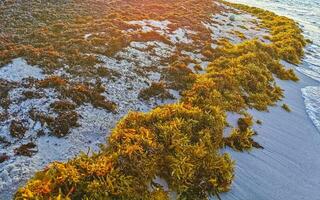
{"points": [[288, 166]]}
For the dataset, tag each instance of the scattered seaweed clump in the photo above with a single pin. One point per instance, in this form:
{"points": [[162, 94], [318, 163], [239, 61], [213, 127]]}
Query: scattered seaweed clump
{"points": [[63, 105], [52, 82], [60, 125], [4, 157], [43, 118], [3, 116], [17, 129], [157, 90], [63, 123], [26, 149], [79, 93], [286, 107], [5, 87], [28, 94], [241, 140], [105, 72], [245, 122]]}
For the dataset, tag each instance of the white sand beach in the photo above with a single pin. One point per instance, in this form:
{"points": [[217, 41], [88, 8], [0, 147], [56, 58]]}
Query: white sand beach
{"points": [[288, 166]]}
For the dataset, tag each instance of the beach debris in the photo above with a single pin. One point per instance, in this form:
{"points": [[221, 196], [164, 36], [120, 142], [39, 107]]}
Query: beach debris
{"points": [[286, 107]]}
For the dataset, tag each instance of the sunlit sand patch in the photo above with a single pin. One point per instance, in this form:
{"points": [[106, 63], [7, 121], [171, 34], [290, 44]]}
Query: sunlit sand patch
{"points": [[235, 27], [179, 35], [125, 90], [146, 54], [18, 69]]}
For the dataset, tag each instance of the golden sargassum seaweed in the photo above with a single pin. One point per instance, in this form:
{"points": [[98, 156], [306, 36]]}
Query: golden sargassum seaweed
{"points": [[52, 35], [181, 143]]}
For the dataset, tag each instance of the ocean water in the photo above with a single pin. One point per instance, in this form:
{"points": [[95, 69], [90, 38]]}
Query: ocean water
{"points": [[307, 14]]}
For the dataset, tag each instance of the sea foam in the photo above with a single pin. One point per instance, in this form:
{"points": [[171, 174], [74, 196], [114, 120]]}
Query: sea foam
{"points": [[311, 95]]}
